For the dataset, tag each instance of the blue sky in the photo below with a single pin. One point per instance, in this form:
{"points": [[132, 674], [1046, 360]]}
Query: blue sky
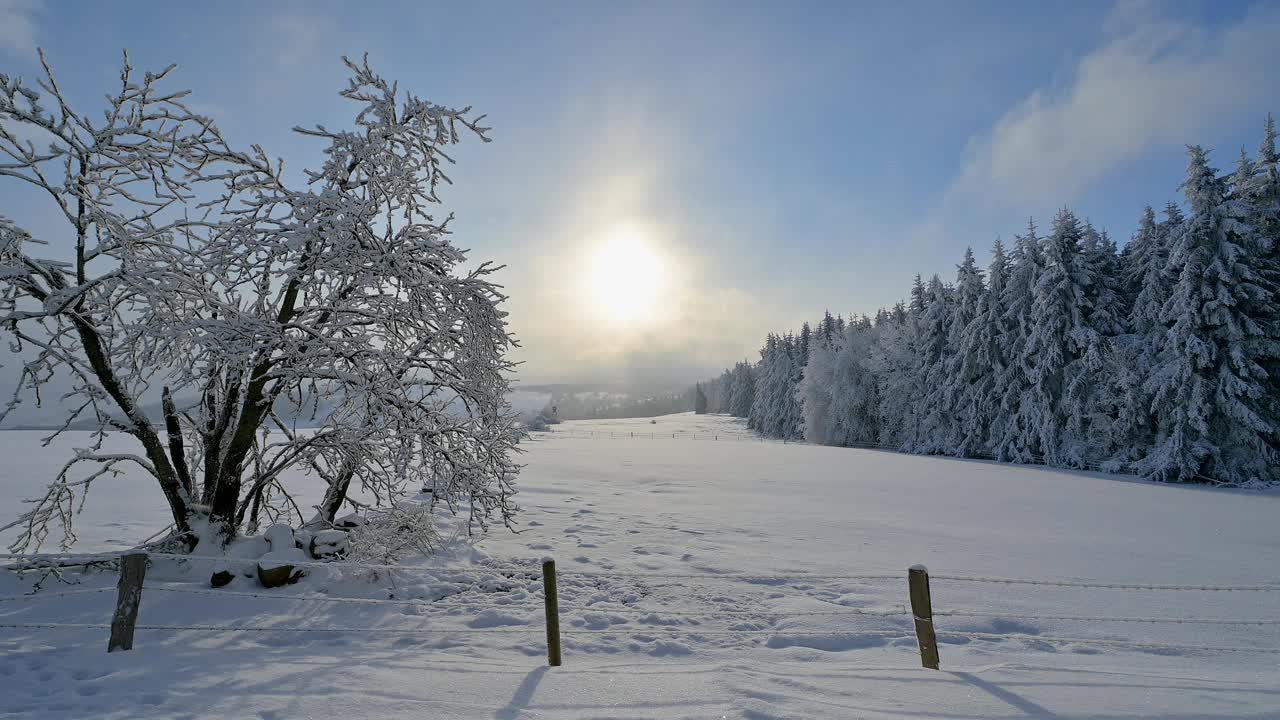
{"points": [[783, 157]]}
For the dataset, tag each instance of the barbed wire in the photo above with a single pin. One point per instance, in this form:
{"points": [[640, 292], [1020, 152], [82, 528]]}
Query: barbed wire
{"points": [[531, 567], [454, 603], [748, 613], [1097, 585], [510, 566], [341, 565], [776, 632], [1087, 618], [267, 628], [411, 602], [722, 576], [1092, 641], [54, 595]]}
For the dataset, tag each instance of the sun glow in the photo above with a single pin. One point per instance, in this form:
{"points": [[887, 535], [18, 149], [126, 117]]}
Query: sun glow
{"points": [[627, 276]]}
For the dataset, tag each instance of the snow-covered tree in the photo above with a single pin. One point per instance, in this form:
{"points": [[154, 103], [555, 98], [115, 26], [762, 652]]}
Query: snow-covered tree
{"points": [[1261, 194], [817, 383], [1059, 339], [197, 280], [854, 417], [979, 355], [1209, 386], [1161, 358], [775, 411], [930, 346], [742, 396], [1015, 434], [1097, 389], [699, 400]]}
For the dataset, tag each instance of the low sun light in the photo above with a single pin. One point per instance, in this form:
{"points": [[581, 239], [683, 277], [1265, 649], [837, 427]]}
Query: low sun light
{"points": [[626, 276]]}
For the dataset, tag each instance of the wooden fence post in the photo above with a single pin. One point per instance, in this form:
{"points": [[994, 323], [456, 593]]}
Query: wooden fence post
{"points": [[922, 609], [553, 612], [133, 568]]}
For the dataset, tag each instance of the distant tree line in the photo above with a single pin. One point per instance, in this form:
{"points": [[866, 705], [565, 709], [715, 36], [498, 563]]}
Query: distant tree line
{"points": [[606, 405], [1161, 359]]}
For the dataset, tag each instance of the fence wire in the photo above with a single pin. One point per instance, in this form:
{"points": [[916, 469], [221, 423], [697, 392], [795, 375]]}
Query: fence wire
{"points": [[1099, 585]]}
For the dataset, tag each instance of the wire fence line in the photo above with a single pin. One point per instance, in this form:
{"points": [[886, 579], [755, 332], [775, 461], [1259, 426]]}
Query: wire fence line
{"points": [[1140, 645], [269, 628], [1099, 585], [870, 612], [1098, 618], [802, 577], [456, 603], [531, 567], [411, 602], [344, 565], [39, 558], [54, 595]]}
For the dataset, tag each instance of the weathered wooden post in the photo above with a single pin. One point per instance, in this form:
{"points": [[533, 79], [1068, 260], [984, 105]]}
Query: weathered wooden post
{"points": [[133, 568], [922, 609], [552, 604]]}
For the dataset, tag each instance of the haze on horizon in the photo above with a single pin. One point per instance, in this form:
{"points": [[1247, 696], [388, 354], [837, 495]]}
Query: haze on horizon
{"points": [[670, 181]]}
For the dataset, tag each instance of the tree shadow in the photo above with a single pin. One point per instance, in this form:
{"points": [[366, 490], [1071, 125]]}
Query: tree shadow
{"points": [[1014, 699], [523, 695]]}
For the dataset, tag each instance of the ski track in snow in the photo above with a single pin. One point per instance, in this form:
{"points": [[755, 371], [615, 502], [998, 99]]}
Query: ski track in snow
{"points": [[617, 512]]}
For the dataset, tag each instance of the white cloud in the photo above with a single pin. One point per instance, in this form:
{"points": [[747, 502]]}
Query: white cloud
{"points": [[1155, 81], [18, 26]]}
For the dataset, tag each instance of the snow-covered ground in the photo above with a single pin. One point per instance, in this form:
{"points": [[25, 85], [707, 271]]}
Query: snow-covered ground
{"points": [[617, 512]]}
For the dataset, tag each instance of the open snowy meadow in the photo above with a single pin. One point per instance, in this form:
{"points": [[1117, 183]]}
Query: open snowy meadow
{"points": [[705, 575]]}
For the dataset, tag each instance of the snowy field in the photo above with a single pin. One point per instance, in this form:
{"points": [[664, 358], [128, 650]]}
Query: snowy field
{"points": [[646, 531]]}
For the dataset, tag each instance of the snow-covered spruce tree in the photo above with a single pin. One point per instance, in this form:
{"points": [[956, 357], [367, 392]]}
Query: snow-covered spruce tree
{"points": [[979, 360], [761, 415], [965, 365], [1209, 387], [932, 355], [826, 333], [1015, 434], [1059, 338], [699, 400], [855, 402], [195, 279], [1146, 288], [1098, 388], [1262, 196], [817, 383], [775, 411], [895, 360], [743, 396], [724, 386]]}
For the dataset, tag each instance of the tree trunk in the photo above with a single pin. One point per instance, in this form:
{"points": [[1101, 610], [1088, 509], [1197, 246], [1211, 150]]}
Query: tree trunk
{"points": [[336, 494]]}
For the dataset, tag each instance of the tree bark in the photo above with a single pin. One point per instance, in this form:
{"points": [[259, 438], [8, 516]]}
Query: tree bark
{"points": [[336, 494]]}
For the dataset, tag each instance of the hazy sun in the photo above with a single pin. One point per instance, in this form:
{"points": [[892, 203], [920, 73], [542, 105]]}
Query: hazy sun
{"points": [[626, 276]]}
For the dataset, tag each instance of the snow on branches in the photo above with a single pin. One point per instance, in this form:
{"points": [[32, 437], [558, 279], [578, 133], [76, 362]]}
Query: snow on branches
{"points": [[202, 283]]}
